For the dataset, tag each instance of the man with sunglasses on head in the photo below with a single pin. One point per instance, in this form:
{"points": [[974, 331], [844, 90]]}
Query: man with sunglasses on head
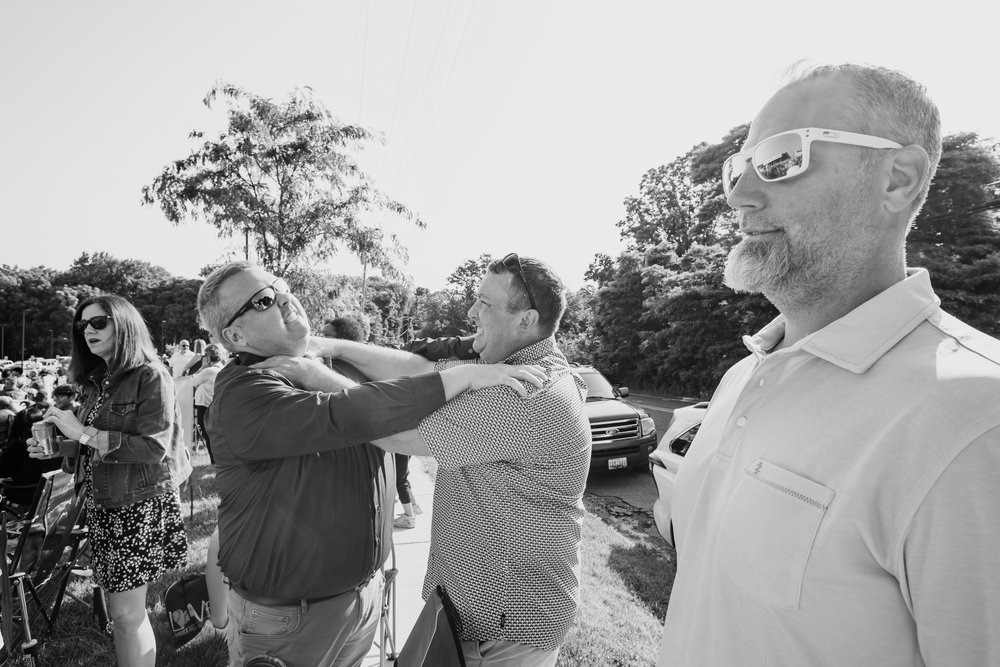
{"points": [[306, 501], [508, 498], [839, 504]]}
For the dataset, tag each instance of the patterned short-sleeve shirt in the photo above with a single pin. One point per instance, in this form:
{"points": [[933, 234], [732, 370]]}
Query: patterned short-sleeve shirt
{"points": [[508, 503]]}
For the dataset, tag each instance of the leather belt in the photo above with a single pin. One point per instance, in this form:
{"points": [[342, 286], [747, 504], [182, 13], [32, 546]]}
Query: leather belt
{"points": [[268, 601]]}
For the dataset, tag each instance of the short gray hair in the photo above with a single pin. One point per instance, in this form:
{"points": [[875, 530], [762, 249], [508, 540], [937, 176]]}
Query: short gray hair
{"points": [[213, 318], [890, 104]]}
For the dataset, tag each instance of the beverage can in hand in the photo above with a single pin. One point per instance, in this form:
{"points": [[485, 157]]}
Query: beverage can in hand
{"points": [[44, 434]]}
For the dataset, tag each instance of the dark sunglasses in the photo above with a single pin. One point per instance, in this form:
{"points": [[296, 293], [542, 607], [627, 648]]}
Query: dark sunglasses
{"points": [[98, 322], [513, 264], [261, 300], [786, 154]]}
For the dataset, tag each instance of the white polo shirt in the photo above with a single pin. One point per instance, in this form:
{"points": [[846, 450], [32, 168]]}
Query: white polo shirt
{"points": [[841, 502]]}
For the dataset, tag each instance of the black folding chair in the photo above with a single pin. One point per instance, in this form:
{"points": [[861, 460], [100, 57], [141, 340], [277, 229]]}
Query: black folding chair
{"points": [[47, 542]]}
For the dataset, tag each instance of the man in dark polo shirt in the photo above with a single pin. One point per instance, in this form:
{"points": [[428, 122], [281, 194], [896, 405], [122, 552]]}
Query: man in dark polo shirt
{"points": [[305, 511]]}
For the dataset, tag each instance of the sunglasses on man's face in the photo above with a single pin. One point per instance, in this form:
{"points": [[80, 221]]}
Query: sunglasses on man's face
{"points": [[98, 323], [261, 300], [786, 155], [513, 264]]}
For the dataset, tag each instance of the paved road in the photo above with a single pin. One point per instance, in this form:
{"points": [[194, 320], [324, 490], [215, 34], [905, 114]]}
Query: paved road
{"points": [[637, 487]]}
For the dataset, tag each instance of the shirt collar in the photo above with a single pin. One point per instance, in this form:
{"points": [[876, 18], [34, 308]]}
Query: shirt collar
{"points": [[247, 358], [859, 339], [534, 352]]}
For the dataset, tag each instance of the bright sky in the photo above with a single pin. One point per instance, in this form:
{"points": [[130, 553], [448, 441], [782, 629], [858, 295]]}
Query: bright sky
{"points": [[516, 125]]}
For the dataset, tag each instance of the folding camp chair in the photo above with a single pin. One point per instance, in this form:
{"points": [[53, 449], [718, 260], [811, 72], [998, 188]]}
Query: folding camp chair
{"points": [[35, 572], [387, 618]]}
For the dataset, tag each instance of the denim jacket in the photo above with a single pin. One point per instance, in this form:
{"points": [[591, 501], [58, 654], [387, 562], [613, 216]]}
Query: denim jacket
{"points": [[146, 454]]}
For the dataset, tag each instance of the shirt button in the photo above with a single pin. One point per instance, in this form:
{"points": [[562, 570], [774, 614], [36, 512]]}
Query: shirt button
{"points": [[741, 422], [761, 383]]}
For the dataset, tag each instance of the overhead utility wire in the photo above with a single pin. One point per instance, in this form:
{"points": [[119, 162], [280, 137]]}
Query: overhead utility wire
{"points": [[423, 90], [447, 81], [364, 59], [399, 82]]}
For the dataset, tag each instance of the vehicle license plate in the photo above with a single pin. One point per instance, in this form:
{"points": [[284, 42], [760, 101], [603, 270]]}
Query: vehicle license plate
{"points": [[615, 464]]}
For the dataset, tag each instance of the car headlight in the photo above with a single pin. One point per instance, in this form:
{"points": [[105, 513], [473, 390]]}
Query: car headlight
{"points": [[646, 426]]}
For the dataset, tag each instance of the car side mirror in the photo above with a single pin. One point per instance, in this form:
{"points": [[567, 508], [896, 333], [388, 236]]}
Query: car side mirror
{"points": [[623, 392]]}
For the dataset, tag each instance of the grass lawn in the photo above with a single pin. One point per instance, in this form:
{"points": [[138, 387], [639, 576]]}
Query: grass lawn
{"points": [[627, 571]]}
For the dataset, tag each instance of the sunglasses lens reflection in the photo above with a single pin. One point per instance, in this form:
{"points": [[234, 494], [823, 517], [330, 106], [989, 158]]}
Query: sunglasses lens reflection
{"points": [[264, 301], [779, 157]]}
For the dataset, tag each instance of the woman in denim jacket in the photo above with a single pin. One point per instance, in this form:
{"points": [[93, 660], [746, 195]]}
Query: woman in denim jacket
{"points": [[126, 447]]}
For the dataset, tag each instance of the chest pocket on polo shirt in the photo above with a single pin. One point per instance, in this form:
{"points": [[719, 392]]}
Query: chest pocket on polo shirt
{"points": [[768, 532]]}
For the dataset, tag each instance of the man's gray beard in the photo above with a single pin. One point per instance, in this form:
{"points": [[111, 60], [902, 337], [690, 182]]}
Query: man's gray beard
{"points": [[769, 268]]}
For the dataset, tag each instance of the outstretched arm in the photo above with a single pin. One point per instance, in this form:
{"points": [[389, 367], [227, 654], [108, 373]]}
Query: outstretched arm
{"points": [[378, 363], [313, 375]]}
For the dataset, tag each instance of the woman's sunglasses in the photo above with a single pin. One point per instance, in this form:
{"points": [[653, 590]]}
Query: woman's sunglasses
{"points": [[787, 154], [261, 300], [98, 323], [513, 264]]}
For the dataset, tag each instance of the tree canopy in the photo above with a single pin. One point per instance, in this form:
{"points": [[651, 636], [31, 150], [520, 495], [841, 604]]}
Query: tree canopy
{"points": [[284, 175], [662, 317]]}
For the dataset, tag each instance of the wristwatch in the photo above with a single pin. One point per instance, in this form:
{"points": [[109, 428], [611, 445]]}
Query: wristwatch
{"points": [[88, 434]]}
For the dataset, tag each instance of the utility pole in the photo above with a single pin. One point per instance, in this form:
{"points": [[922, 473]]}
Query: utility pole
{"points": [[51, 346], [23, 313]]}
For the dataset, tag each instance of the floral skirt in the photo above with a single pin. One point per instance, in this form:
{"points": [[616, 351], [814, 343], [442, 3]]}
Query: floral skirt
{"points": [[138, 543]]}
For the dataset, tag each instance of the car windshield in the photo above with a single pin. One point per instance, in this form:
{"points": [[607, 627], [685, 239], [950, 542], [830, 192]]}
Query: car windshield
{"points": [[597, 386]]}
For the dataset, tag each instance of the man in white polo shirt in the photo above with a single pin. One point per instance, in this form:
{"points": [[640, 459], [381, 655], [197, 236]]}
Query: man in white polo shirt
{"points": [[180, 358], [841, 502]]}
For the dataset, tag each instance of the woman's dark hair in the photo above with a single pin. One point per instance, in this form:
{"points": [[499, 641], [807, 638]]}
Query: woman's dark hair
{"points": [[133, 344]]}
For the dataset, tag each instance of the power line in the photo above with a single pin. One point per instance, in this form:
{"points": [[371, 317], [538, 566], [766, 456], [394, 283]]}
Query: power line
{"points": [[447, 81], [364, 59], [399, 82], [423, 90]]}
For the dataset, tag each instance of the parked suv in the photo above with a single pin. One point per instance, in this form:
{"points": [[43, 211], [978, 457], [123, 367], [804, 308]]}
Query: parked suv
{"points": [[622, 435]]}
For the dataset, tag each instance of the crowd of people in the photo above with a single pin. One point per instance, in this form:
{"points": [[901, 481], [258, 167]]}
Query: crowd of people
{"points": [[838, 505]]}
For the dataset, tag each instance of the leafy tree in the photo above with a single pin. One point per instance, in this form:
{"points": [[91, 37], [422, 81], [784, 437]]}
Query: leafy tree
{"points": [[682, 202], [957, 234], [29, 297], [602, 270], [692, 323], [464, 281], [443, 313], [283, 174], [124, 277], [617, 315], [574, 334]]}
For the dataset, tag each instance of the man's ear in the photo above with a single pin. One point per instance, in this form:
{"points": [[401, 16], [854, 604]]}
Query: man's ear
{"points": [[529, 319], [906, 174], [232, 335]]}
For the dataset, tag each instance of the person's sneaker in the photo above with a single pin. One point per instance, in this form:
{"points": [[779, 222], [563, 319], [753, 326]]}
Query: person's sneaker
{"points": [[404, 521], [416, 508]]}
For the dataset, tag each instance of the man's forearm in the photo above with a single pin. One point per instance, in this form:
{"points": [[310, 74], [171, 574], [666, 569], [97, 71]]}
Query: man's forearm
{"points": [[323, 378], [409, 442], [377, 363]]}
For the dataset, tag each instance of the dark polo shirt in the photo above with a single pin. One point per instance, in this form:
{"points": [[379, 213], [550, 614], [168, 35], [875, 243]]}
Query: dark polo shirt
{"points": [[306, 503]]}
